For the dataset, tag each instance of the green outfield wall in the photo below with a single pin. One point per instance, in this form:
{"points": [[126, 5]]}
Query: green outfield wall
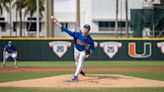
{"points": [[59, 49]]}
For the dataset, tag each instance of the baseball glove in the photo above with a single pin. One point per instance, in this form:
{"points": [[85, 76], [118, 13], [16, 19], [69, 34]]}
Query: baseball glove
{"points": [[88, 50]]}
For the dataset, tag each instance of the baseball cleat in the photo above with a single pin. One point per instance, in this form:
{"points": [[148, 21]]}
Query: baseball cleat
{"points": [[75, 78], [82, 73]]}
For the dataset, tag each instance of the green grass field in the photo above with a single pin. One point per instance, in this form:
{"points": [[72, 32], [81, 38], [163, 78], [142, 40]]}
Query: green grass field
{"points": [[87, 63], [11, 76]]}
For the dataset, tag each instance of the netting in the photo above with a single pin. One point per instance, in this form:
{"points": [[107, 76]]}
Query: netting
{"points": [[147, 22]]}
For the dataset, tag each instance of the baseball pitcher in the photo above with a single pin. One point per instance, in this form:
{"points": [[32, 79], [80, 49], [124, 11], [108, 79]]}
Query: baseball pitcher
{"points": [[83, 46]]}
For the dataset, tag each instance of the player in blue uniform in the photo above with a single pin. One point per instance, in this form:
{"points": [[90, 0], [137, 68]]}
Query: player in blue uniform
{"points": [[9, 51], [83, 46]]}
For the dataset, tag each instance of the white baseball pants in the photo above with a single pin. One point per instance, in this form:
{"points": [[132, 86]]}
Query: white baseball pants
{"points": [[79, 57], [7, 55]]}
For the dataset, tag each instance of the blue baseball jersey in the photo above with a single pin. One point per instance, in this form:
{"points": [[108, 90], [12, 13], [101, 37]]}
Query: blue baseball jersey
{"points": [[9, 49], [81, 42]]}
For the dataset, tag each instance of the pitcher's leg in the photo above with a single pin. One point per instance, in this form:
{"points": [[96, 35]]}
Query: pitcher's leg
{"points": [[76, 56], [80, 63], [76, 59]]}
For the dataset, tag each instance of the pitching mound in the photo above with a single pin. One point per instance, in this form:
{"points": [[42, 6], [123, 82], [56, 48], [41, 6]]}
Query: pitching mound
{"points": [[92, 80]]}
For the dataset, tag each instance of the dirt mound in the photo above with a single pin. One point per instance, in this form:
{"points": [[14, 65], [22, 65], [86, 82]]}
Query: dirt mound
{"points": [[91, 80]]}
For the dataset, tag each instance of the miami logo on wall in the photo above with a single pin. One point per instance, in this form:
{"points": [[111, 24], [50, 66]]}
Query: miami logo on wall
{"points": [[147, 50], [60, 47], [110, 48], [161, 46]]}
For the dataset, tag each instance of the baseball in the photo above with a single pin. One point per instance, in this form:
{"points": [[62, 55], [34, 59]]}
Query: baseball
{"points": [[52, 17]]}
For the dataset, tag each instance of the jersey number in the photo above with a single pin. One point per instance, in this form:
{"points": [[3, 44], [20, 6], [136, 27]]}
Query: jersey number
{"points": [[60, 48], [110, 49]]}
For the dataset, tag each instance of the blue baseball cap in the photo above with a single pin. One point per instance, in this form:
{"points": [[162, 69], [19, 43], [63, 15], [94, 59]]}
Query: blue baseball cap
{"points": [[87, 26]]}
